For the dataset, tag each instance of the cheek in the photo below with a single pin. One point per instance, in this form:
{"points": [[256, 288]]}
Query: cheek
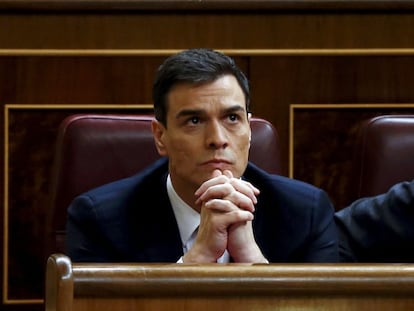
{"points": [[242, 149], [180, 148], [243, 143], [245, 146]]}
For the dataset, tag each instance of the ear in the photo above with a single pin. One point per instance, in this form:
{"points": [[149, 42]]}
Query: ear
{"points": [[158, 130]]}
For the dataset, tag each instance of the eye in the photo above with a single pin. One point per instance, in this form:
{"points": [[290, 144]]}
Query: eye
{"points": [[233, 117], [193, 120]]}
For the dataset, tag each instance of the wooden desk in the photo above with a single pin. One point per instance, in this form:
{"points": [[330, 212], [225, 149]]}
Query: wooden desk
{"points": [[227, 287]]}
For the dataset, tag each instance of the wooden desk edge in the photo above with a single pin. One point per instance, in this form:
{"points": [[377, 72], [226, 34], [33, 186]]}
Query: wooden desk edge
{"points": [[134, 279]]}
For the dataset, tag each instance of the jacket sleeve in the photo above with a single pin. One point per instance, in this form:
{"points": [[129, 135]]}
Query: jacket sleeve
{"points": [[84, 239], [323, 243], [379, 228]]}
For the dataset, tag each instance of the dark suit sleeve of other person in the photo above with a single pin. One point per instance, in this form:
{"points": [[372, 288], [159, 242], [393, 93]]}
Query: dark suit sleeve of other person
{"points": [[293, 220], [379, 228]]}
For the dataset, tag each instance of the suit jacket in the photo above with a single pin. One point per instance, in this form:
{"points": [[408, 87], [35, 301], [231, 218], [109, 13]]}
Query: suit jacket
{"points": [[379, 228], [131, 220]]}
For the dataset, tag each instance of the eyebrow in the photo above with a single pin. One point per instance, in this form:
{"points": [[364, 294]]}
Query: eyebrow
{"points": [[198, 112], [189, 112]]}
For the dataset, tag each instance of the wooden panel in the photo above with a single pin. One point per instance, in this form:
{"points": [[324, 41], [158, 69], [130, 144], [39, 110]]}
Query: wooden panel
{"points": [[324, 154], [232, 286], [277, 82], [303, 303], [247, 30], [77, 80], [222, 5]]}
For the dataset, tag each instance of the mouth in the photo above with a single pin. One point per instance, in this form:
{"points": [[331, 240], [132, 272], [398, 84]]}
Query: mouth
{"points": [[217, 164]]}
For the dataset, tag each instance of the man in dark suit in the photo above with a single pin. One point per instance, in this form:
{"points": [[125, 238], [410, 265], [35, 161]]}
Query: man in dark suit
{"points": [[379, 228], [203, 202]]}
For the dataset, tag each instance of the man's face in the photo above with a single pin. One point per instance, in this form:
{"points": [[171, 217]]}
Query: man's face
{"points": [[207, 129]]}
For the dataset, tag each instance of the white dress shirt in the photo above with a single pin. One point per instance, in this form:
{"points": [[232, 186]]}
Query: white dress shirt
{"points": [[188, 221]]}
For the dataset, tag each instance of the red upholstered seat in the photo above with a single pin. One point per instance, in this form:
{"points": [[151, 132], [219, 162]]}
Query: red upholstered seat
{"points": [[385, 153], [94, 149]]}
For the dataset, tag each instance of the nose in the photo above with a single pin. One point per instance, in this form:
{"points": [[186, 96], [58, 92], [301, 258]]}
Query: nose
{"points": [[216, 136]]}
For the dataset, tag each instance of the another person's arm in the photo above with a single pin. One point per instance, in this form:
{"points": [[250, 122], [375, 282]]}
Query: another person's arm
{"points": [[379, 228]]}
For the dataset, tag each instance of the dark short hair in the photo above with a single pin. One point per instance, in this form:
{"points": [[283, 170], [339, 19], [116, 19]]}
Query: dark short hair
{"points": [[195, 66]]}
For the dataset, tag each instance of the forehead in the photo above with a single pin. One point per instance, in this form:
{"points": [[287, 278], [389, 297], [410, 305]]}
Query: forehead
{"points": [[222, 92]]}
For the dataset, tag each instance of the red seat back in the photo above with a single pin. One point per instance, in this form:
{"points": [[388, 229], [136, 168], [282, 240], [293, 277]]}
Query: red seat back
{"points": [[385, 153]]}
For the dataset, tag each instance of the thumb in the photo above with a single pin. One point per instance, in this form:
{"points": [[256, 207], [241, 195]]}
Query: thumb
{"points": [[228, 173], [216, 173]]}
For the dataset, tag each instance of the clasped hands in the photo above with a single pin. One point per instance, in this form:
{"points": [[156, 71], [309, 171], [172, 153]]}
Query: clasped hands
{"points": [[226, 205]]}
